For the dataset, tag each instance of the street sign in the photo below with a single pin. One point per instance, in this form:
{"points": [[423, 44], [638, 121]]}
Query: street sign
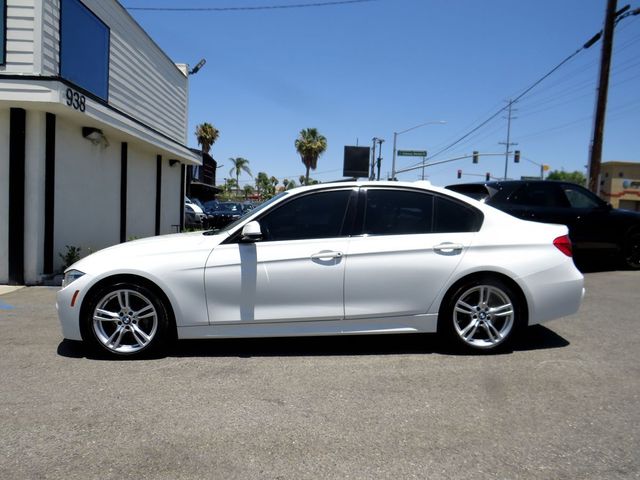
{"points": [[412, 153]]}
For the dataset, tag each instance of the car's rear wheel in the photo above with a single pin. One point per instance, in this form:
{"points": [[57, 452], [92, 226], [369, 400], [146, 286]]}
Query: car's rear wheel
{"points": [[126, 320], [482, 315]]}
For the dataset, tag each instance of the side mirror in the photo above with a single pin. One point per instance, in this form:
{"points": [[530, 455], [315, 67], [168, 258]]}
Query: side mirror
{"points": [[251, 232]]}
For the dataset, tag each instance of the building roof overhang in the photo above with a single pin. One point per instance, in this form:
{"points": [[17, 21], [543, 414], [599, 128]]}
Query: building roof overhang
{"points": [[50, 95]]}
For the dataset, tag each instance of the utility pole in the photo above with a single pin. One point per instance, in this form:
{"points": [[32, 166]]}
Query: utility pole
{"points": [[380, 140], [595, 157], [372, 176], [507, 144]]}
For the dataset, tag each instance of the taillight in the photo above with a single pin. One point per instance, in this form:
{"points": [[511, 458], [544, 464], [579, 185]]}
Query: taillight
{"points": [[563, 244]]}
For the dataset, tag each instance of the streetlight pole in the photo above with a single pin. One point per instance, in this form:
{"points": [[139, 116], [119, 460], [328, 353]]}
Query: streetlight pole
{"points": [[395, 138]]}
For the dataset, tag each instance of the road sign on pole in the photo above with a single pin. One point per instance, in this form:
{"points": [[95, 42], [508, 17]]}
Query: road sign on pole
{"points": [[412, 153]]}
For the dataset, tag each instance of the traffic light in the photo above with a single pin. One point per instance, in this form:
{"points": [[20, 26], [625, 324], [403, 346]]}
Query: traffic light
{"points": [[475, 156], [516, 156], [487, 177], [459, 173]]}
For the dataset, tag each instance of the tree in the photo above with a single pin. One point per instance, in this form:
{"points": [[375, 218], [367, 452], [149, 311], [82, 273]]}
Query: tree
{"points": [[263, 185], [288, 184], [310, 145], [207, 135], [229, 186], [239, 165], [573, 177], [248, 191]]}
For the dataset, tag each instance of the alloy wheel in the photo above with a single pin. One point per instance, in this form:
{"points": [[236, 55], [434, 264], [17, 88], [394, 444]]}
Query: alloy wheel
{"points": [[125, 321], [483, 316]]}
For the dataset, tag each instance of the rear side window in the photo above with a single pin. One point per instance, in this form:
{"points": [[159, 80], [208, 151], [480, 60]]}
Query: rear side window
{"points": [[397, 212], [404, 212], [452, 216]]}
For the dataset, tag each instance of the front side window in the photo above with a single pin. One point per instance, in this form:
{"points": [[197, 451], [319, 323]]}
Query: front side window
{"points": [[578, 198], [312, 216], [84, 48], [539, 195]]}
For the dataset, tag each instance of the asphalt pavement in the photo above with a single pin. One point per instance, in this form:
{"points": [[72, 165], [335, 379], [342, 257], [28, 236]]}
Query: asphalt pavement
{"points": [[565, 404]]}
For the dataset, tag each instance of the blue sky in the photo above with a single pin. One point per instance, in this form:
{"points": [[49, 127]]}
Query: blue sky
{"points": [[368, 69]]}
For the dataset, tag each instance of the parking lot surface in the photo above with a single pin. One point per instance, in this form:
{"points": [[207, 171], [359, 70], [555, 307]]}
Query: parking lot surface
{"points": [[564, 404]]}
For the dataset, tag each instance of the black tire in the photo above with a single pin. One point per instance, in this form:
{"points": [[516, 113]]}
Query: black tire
{"points": [[482, 315], [126, 320], [631, 251]]}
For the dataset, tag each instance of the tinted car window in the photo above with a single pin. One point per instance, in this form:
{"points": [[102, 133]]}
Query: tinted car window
{"points": [[317, 215], [578, 198], [539, 195], [452, 216], [397, 212]]}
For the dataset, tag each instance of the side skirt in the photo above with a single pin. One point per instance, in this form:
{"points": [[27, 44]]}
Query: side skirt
{"points": [[426, 323]]}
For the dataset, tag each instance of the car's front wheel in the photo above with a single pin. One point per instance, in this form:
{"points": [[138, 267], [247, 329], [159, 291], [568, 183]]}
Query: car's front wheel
{"points": [[482, 315], [126, 320]]}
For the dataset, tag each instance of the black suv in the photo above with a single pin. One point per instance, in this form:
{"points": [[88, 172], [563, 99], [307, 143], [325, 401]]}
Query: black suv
{"points": [[596, 229]]}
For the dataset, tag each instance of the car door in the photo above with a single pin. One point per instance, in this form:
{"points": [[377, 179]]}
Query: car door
{"points": [[592, 226], [411, 243], [295, 273], [537, 201]]}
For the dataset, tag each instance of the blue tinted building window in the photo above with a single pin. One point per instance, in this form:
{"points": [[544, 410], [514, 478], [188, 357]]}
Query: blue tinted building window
{"points": [[3, 30], [84, 48]]}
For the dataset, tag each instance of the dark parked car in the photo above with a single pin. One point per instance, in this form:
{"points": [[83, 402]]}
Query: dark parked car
{"points": [[596, 229], [221, 214]]}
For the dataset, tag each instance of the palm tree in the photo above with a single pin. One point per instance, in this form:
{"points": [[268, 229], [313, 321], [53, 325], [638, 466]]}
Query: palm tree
{"points": [[262, 184], [207, 135], [239, 165], [310, 145], [248, 191]]}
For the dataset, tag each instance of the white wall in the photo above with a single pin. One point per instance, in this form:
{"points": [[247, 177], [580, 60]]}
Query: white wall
{"points": [[141, 194], [4, 195], [87, 192], [20, 37], [34, 196], [170, 206]]}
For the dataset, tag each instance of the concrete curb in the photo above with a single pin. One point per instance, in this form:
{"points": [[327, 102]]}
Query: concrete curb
{"points": [[4, 289]]}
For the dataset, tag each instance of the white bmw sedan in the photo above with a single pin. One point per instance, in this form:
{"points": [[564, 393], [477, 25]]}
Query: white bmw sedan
{"points": [[331, 259]]}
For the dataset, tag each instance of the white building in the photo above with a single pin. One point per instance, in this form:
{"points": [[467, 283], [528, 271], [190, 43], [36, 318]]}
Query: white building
{"points": [[93, 133]]}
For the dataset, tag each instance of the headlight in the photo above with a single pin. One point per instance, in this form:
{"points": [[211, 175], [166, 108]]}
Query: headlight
{"points": [[71, 276]]}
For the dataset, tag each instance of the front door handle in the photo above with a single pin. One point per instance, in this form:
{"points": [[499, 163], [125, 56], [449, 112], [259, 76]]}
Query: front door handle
{"points": [[448, 248], [326, 254]]}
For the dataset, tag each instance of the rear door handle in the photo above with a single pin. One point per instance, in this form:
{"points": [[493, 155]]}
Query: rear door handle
{"points": [[326, 254], [448, 248]]}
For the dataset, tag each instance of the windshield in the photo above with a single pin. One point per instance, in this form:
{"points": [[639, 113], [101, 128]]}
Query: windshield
{"points": [[228, 208], [251, 213]]}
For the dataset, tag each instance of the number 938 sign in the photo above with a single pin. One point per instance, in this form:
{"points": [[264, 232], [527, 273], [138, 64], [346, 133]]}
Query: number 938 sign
{"points": [[75, 100]]}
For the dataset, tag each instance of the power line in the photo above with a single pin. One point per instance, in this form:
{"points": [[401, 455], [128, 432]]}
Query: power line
{"points": [[249, 8], [588, 44]]}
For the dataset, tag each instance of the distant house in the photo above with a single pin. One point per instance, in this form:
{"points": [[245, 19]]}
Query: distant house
{"points": [[620, 184], [93, 133], [201, 179]]}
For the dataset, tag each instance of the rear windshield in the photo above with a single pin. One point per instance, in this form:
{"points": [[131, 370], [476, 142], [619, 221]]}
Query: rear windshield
{"points": [[477, 192]]}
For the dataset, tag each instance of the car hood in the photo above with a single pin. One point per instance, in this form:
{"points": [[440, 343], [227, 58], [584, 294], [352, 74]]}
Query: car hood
{"points": [[626, 214], [130, 254]]}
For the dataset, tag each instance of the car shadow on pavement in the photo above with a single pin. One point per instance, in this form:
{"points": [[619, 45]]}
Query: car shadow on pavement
{"points": [[536, 337]]}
